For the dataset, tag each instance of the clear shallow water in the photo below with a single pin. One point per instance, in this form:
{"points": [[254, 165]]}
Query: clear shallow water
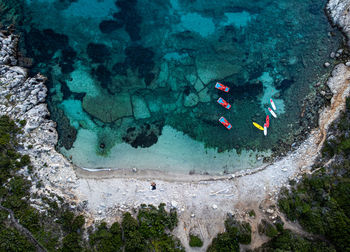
{"points": [[140, 74]]}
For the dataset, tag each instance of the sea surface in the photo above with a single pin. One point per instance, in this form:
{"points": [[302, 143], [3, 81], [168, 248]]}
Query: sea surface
{"points": [[131, 82]]}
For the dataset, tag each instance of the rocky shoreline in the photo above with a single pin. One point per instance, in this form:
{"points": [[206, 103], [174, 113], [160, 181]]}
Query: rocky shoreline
{"points": [[202, 201]]}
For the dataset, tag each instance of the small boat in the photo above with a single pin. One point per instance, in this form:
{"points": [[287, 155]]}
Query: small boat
{"points": [[224, 103], [273, 104], [225, 123], [222, 87], [258, 126], [272, 113], [267, 121], [265, 129]]}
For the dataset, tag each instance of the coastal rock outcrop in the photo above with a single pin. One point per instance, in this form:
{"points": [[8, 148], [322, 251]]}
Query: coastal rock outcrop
{"points": [[23, 99], [8, 48], [339, 13]]}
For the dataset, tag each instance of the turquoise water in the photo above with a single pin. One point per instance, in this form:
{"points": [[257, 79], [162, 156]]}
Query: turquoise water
{"points": [[121, 71]]}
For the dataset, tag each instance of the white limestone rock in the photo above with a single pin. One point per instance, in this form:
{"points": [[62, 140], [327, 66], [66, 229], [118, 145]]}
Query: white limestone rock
{"points": [[339, 12]]}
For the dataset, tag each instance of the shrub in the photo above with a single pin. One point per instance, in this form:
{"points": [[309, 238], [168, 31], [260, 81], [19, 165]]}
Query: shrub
{"points": [[195, 241], [236, 233]]}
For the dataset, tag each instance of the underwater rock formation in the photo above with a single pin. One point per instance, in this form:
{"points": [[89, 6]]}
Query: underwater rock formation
{"points": [[108, 26], [64, 129], [144, 136], [97, 52], [49, 42], [129, 16], [140, 109], [140, 59], [108, 108]]}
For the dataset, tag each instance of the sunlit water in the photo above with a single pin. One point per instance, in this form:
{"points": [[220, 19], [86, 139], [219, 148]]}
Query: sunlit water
{"points": [[132, 81]]}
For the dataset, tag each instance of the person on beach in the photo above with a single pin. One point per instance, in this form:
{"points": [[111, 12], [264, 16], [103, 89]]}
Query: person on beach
{"points": [[153, 186]]}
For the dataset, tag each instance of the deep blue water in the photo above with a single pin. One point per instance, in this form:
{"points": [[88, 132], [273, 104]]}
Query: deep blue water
{"points": [[122, 70]]}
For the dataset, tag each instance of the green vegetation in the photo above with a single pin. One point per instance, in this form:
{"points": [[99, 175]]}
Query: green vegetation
{"points": [[320, 202], [236, 233], [15, 196], [148, 232], [195, 241], [252, 213], [8, 97], [268, 229], [107, 239], [288, 241]]}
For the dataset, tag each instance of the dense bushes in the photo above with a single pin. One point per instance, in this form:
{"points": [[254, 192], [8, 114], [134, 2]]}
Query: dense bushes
{"points": [[148, 232], [107, 239], [236, 233], [320, 204], [195, 241], [288, 241]]}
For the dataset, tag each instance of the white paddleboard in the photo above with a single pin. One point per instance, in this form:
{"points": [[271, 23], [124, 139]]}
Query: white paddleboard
{"points": [[272, 113], [273, 104], [265, 130]]}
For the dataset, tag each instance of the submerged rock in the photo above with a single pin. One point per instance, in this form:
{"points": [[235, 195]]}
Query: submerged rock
{"points": [[140, 58], [66, 132], [144, 136], [140, 108], [191, 100], [129, 16], [108, 108], [97, 52], [204, 96], [108, 26], [212, 68]]}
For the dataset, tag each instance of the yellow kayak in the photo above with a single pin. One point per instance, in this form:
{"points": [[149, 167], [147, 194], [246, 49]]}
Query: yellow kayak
{"points": [[258, 126]]}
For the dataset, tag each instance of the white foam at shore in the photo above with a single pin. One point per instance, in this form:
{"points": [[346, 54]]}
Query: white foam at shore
{"points": [[173, 152]]}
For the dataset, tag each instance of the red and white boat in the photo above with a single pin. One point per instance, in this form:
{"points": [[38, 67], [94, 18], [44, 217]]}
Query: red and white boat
{"points": [[267, 121], [273, 104], [222, 87], [272, 113], [225, 123]]}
